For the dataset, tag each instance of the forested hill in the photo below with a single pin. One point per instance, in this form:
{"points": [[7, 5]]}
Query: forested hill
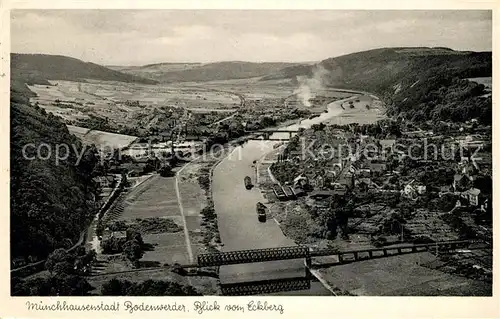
{"points": [[417, 83], [37, 68], [51, 203]]}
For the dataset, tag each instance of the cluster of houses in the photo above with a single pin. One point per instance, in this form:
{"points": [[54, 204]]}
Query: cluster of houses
{"points": [[366, 173], [140, 151]]}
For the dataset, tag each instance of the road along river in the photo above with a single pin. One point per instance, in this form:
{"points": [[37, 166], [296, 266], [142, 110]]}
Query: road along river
{"points": [[236, 212]]}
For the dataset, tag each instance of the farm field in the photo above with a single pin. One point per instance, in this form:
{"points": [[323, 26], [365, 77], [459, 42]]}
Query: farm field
{"points": [[154, 198], [160, 94], [426, 223], [359, 112], [101, 139], [127, 105], [104, 92], [77, 130], [107, 140], [121, 106], [400, 275], [193, 201], [251, 88]]}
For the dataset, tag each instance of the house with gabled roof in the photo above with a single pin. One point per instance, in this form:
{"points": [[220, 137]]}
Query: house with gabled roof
{"points": [[473, 196]]}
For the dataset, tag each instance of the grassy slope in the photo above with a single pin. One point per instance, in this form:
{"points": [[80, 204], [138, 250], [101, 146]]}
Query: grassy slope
{"points": [[37, 68]]}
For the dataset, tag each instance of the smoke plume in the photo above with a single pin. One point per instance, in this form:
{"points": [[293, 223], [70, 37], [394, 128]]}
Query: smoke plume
{"points": [[309, 86]]}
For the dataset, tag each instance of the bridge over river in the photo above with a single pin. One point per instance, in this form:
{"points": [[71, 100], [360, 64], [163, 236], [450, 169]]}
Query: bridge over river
{"points": [[237, 221], [304, 282]]}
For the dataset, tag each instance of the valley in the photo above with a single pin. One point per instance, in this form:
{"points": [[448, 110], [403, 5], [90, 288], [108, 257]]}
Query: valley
{"points": [[171, 144]]}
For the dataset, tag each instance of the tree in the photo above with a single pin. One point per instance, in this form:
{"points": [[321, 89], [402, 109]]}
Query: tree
{"points": [[446, 202], [133, 251], [85, 261], [235, 129], [116, 287], [406, 209], [166, 170], [484, 184], [318, 127], [58, 261], [69, 285], [133, 234], [392, 163], [64, 267], [54, 285]]}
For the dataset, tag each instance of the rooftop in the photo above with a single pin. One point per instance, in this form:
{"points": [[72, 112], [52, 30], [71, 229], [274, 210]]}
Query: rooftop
{"points": [[474, 191]]}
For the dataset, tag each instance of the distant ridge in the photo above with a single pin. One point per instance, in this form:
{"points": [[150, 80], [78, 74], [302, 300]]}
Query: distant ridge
{"points": [[418, 83], [201, 72], [38, 68], [352, 64]]}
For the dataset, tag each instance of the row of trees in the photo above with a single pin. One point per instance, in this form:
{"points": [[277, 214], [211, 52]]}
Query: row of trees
{"points": [[66, 270], [117, 287], [65, 279]]}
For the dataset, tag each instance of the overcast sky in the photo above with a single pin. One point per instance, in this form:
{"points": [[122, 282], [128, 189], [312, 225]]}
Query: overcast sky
{"points": [[126, 37]]}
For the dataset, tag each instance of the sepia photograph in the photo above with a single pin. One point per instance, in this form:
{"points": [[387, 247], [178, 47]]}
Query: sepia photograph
{"points": [[159, 152]]}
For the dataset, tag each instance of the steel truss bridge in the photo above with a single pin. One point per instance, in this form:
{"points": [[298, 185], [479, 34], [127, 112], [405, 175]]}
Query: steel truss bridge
{"points": [[254, 135], [298, 252], [267, 286]]}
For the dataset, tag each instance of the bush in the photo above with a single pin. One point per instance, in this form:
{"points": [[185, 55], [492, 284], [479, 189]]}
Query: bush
{"points": [[204, 181], [208, 212], [158, 225], [379, 241], [176, 268]]}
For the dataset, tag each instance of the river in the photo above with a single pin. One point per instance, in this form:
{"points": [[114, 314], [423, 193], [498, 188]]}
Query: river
{"points": [[237, 219]]}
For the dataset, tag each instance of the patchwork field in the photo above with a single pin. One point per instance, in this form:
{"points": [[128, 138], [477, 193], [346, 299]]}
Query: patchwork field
{"points": [[252, 88], [122, 106]]}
